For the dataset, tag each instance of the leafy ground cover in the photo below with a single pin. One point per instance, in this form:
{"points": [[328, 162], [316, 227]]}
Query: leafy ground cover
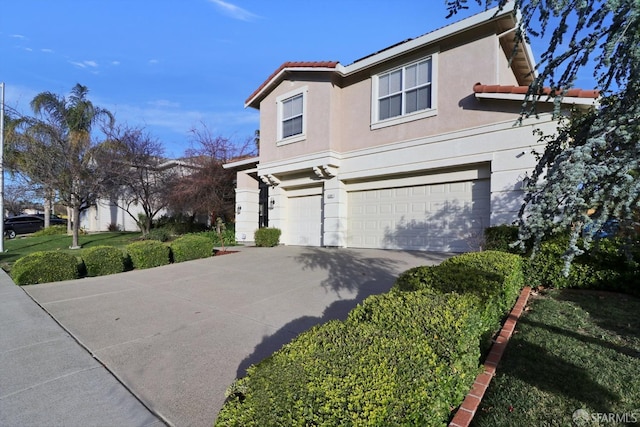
{"points": [[17, 248], [574, 350]]}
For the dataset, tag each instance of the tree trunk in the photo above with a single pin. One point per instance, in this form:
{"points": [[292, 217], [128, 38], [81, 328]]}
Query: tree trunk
{"points": [[75, 241], [69, 220], [47, 211]]}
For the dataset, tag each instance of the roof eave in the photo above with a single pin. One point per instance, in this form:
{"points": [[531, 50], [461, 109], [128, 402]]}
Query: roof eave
{"points": [[433, 37], [574, 100], [254, 101]]}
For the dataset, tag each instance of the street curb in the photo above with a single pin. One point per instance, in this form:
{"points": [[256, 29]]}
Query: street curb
{"points": [[469, 406]]}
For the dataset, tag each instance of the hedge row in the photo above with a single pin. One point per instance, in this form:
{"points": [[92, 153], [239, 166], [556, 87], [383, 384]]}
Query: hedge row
{"points": [[611, 263], [406, 357], [49, 266]]}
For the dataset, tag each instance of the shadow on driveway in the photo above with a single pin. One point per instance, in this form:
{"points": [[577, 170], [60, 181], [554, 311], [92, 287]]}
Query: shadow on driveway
{"points": [[349, 272]]}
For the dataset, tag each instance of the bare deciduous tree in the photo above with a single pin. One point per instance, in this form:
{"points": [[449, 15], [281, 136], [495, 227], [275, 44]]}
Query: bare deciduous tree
{"points": [[209, 189]]}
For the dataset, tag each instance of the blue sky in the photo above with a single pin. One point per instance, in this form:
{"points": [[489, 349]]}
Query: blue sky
{"points": [[170, 66]]}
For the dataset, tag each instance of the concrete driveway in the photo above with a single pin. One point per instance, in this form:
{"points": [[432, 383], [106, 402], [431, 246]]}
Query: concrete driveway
{"points": [[178, 335]]}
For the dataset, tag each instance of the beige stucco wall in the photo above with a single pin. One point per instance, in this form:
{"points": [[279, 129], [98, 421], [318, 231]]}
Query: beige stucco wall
{"points": [[338, 111]]}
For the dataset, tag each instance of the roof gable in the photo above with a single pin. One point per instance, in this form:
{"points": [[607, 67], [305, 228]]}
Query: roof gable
{"points": [[507, 17]]}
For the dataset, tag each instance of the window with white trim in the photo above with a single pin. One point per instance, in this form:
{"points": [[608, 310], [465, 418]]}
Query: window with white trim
{"points": [[404, 91], [291, 116]]}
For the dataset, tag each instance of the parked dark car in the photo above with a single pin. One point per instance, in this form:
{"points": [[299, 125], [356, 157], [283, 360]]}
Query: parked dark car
{"points": [[24, 224]]}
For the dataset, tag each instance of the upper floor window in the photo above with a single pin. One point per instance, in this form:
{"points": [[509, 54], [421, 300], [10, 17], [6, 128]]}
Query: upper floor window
{"points": [[291, 116], [404, 91]]}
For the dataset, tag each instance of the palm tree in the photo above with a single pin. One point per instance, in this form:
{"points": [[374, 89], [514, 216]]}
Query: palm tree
{"points": [[66, 133]]}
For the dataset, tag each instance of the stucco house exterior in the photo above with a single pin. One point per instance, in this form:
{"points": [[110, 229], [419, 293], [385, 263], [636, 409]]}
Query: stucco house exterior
{"points": [[106, 213], [413, 147]]}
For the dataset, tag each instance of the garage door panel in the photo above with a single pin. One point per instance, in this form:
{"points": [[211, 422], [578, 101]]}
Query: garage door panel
{"points": [[305, 220], [438, 217]]}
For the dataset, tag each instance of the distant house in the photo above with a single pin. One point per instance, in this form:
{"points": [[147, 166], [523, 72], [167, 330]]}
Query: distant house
{"points": [[106, 214], [402, 149]]}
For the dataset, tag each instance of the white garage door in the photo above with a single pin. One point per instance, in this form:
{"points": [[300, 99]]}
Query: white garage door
{"points": [[438, 217], [305, 221]]}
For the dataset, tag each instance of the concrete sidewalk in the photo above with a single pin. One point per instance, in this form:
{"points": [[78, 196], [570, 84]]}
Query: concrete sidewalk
{"points": [[48, 379], [178, 335]]}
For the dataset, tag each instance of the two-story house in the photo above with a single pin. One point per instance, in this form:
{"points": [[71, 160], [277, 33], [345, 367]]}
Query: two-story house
{"points": [[402, 149]]}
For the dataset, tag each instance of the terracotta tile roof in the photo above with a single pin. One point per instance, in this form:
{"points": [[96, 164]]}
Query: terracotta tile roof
{"points": [[293, 64], [522, 90]]}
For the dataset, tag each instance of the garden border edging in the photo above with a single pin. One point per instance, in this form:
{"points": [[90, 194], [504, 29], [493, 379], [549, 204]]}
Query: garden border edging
{"points": [[469, 406]]}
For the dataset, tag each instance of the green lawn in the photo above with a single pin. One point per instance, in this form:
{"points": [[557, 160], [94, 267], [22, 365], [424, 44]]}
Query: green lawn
{"points": [[573, 349], [22, 246]]}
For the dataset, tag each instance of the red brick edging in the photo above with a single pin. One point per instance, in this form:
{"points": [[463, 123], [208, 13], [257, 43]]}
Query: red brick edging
{"points": [[469, 406]]}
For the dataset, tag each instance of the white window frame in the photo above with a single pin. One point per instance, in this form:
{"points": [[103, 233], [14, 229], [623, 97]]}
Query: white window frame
{"points": [[280, 100], [376, 123]]}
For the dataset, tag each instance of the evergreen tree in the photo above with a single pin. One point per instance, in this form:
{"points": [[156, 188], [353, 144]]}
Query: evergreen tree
{"points": [[587, 172]]}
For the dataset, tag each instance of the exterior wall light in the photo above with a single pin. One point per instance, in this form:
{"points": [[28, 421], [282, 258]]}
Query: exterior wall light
{"points": [[238, 210], [272, 203]]}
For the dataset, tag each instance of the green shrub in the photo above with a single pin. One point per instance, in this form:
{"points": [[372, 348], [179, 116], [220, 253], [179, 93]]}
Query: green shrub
{"points": [[267, 237], [52, 230], [397, 360], [159, 234], [500, 238], [103, 260], [610, 264], [494, 276], [179, 224], [44, 267], [191, 246], [148, 254], [228, 236]]}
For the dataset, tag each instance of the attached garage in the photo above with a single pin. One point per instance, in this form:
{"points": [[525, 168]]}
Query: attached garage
{"points": [[446, 211], [304, 225]]}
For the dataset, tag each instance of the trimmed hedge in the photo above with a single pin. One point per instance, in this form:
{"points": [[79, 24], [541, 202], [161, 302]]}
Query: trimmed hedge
{"points": [[402, 358], [397, 360], [44, 267], [103, 260], [495, 277], [500, 238], [267, 237], [191, 246], [610, 264], [148, 254]]}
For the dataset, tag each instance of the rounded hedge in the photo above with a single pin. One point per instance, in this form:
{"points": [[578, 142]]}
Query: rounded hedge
{"points": [[267, 237], [191, 246], [45, 267], [397, 360], [103, 260], [148, 254]]}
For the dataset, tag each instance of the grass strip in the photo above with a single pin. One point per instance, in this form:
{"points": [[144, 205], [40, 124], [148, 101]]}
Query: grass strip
{"points": [[573, 350]]}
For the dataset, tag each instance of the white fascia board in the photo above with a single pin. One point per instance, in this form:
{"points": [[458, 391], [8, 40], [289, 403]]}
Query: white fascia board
{"points": [[431, 37], [240, 163], [339, 68], [521, 97]]}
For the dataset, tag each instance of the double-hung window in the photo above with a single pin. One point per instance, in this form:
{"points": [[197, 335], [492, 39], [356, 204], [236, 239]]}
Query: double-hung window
{"points": [[404, 91], [292, 116]]}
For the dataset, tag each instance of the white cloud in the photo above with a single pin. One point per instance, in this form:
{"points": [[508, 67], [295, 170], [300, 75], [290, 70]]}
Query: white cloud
{"points": [[46, 50], [163, 103], [154, 61], [234, 11], [17, 36], [85, 64], [115, 62]]}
